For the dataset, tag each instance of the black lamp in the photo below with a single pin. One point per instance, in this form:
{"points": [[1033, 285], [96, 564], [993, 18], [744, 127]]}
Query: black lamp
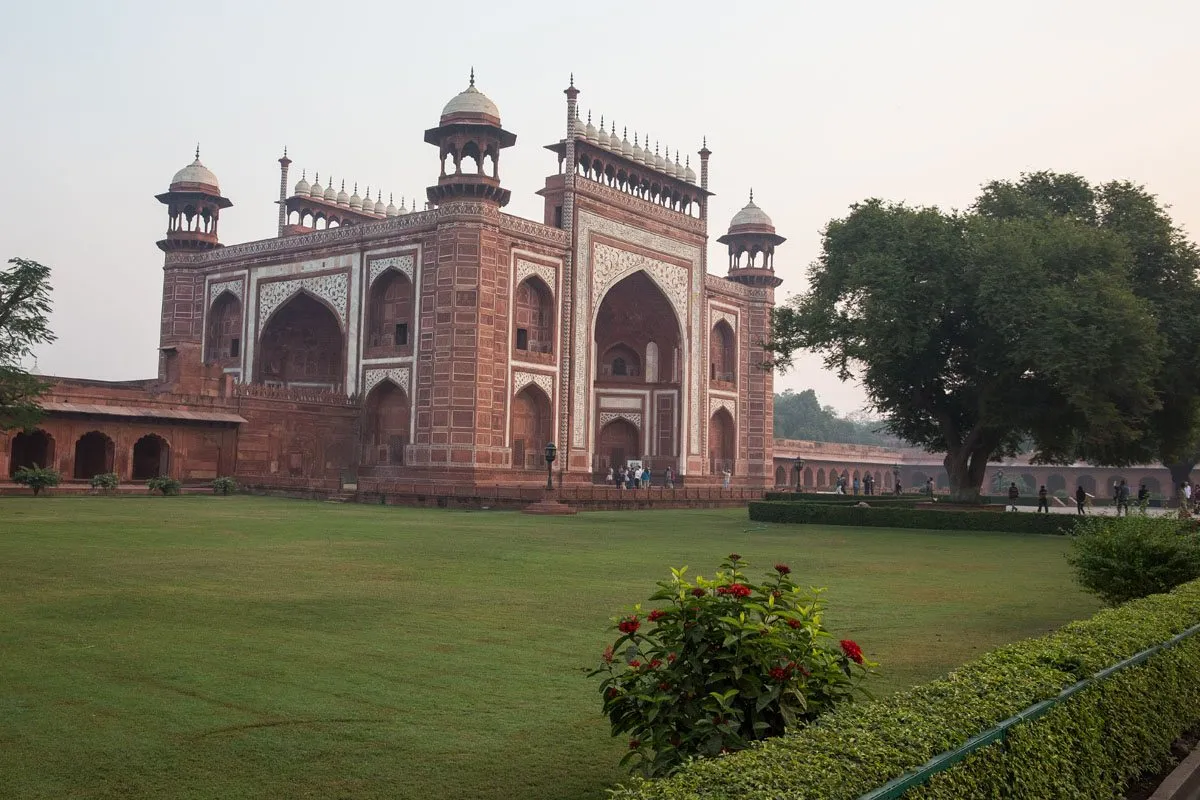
{"points": [[551, 454], [799, 469]]}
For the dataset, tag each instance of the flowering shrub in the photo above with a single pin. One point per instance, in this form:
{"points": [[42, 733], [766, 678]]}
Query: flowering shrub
{"points": [[722, 663], [105, 481], [164, 484], [224, 485], [36, 478]]}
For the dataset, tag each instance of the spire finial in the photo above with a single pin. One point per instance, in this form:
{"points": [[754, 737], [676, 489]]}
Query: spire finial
{"points": [[687, 160], [751, 194], [704, 141], [572, 80], [625, 132], [197, 151], [355, 187], [589, 116], [285, 151], [472, 77], [304, 174], [343, 184]]}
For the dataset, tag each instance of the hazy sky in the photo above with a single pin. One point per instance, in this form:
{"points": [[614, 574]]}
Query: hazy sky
{"points": [[815, 105]]}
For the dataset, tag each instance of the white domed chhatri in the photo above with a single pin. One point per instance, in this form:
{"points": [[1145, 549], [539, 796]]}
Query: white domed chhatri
{"points": [[343, 199], [356, 202], [471, 102], [380, 208], [391, 206], [330, 193], [688, 172], [589, 132], [197, 174], [317, 191], [302, 187], [751, 215]]}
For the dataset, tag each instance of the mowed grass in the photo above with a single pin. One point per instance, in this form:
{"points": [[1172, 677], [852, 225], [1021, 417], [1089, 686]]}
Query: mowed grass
{"points": [[239, 647]]}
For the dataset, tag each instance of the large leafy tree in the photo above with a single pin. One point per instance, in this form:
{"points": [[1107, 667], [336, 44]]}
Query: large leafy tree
{"points": [[974, 333], [24, 308], [1163, 270]]}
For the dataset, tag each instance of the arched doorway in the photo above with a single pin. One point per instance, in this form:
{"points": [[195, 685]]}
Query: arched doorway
{"points": [[1056, 483], [808, 478], [821, 484], [223, 334], [722, 354], [151, 457], [386, 424], [722, 441], [619, 442], [780, 476], [533, 317], [389, 316], [302, 346], [93, 455], [30, 449], [531, 428]]}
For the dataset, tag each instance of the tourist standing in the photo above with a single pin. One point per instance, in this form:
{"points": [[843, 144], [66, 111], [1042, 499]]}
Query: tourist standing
{"points": [[1123, 498], [620, 478], [1080, 499], [726, 476], [1013, 494], [1043, 500], [609, 479], [856, 487], [929, 487], [646, 477], [670, 477]]}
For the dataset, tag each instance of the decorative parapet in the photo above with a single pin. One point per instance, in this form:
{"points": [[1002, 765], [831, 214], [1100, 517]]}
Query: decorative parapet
{"points": [[528, 229], [292, 394]]}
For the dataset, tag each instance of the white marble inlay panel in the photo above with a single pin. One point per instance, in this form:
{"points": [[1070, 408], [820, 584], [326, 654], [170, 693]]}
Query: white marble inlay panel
{"points": [[629, 403], [397, 375], [405, 264], [234, 287], [544, 382], [613, 265], [727, 403], [332, 288], [632, 416], [543, 271]]}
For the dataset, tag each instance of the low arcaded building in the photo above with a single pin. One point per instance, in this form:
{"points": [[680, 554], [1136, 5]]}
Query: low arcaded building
{"points": [[368, 342]]}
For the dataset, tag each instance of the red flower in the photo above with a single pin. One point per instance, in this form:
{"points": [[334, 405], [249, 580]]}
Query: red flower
{"points": [[629, 625], [852, 650], [655, 663], [734, 589], [656, 615], [634, 744], [734, 557], [779, 673], [793, 623], [664, 686], [671, 657], [634, 664], [783, 569], [612, 692], [698, 592]]}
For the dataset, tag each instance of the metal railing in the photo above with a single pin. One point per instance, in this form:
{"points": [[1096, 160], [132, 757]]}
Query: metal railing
{"points": [[895, 788]]}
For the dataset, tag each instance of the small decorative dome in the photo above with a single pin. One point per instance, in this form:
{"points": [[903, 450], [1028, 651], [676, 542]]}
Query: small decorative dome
{"points": [[626, 147], [391, 209], [637, 154], [343, 199], [589, 132], [302, 187], [403, 208], [647, 154], [677, 168], [751, 215], [602, 135], [380, 208], [318, 191], [470, 103], [660, 163], [614, 141], [330, 193], [196, 174], [689, 174], [356, 202]]}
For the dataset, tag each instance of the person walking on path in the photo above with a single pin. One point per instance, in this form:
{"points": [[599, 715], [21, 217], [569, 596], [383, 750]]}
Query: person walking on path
{"points": [[1013, 494], [1043, 500], [929, 487], [1123, 498], [1080, 499]]}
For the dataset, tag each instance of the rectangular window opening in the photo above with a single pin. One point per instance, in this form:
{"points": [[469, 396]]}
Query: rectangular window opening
{"points": [[401, 333], [522, 338], [558, 216], [235, 347]]}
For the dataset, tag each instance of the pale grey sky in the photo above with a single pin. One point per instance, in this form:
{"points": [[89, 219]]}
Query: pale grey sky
{"points": [[815, 105]]}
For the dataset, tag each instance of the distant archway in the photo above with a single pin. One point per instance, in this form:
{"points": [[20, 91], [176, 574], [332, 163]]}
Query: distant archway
{"points": [[151, 457], [302, 346], [94, 453], [1056, 483], [1088, 483], [821, 484], [722, 441], [619, 442], [808, 478], [387, 423], [531, 428], [30, 449]]}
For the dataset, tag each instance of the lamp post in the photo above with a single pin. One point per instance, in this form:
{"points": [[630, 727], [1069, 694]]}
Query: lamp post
{"points": [[896, 478], [551, 453], [799, 473]]}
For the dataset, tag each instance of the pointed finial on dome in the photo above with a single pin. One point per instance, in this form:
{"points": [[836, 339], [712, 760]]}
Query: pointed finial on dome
{"points": [[343, 184], [589, 116], [687, 160], [303, 174], [572, 84], [751, 194], [472, 77], [355, 186], [197, 151]]}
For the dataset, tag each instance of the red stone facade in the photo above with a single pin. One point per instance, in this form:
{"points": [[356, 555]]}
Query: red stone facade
{"points": [[369, 344]]}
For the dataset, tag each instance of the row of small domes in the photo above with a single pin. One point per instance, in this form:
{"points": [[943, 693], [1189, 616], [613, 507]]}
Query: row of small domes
{"points": [[642, 155], [352, 201]]}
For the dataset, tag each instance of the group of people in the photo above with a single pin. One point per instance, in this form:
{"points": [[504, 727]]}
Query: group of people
{"points": [[866, 485], [1121, 494], [635, 476]]}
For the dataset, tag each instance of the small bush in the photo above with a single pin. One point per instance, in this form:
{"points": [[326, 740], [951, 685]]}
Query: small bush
{"points": [[162, 483], [224, 486], [105, 481], [903, 517], [37, 478], [720, 664], [1124, 558]]}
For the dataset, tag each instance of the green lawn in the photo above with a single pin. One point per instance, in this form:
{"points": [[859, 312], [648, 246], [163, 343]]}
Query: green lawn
{"points": [[244, 647]]}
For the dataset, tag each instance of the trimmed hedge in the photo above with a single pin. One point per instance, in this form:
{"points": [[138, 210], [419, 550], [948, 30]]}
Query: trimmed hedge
{"points": [[1090, 745], [900, 517], [831, 497]]}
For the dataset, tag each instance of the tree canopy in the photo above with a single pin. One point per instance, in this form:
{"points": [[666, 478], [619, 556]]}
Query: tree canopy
{"points": [[24, 308], [801, 416], [1018, 319]]}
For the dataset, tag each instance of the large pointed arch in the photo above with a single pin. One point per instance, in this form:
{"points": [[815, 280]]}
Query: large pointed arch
{"points": [[532, 426], [386, 422], [301, 344]]}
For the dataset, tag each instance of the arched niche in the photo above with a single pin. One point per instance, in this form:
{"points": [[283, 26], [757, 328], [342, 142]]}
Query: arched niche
{"points": [[533, 317], [223, 331], [390, 313], [532, 421], [386, 423], [33, 448], [633, 314], [619, 442], [722, 353], [94, 453], [722, 441], [302, 345], [151, 457]]}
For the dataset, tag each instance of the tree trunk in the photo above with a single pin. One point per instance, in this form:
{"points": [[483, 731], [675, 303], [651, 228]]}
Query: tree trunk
{"points": [[966, 469], [1180, 472]]}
